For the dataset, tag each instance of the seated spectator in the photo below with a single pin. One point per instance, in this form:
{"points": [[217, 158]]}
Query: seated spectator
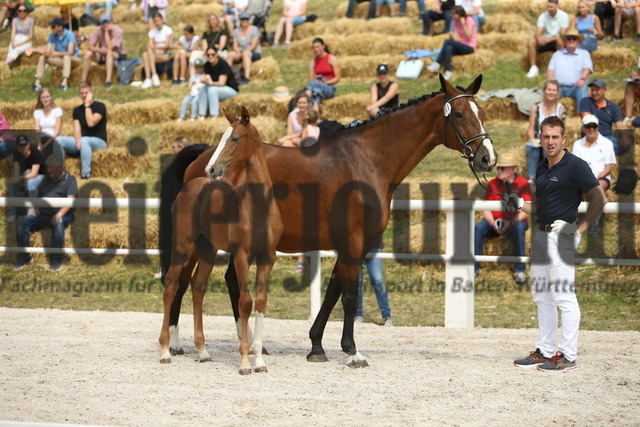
{"points": [[571, 67], [403, 7], [393, 7], [61, 51], [374, 268], [352, 5], [499, 223], [7, 138], [310, 129], [549, 29], [463, 41], [158, 51], [295, 121], [48, 121], [219, 84], [626, 9], [246, 47], [441, 12], [71, 22], [605, 10], [186, 44], [179, 143], [57, 183], [607, 112], [631, 92], [324, 73], [474, 10], [196, 83], [89, 130], [216, 35], [107, 4], [10, 8], [588, 25], [106, 46], [153, 7], [294, 14], [28, 169], [21, 34], [231, 14], [384, 94], [549, 106]]}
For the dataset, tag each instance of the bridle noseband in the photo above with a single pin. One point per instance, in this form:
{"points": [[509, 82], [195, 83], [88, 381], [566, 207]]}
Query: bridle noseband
{"points": [[467, 151]]}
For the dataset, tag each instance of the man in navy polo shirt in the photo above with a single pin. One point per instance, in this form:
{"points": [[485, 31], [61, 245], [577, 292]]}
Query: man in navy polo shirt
{"points": [[607, 112], [561, 181], [61, 51]]}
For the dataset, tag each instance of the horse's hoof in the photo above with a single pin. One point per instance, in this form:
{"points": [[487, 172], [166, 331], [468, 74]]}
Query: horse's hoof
{"points": [[261, 369], [265, 352], [165, 360], [176, 351], [357, 364], [245, 371], [317, 357], [205, 359]]}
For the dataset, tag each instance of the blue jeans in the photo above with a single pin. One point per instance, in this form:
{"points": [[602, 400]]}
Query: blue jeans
{"points": [[7, 148], [374, 267], [518, 229], [574, 92], [189, 99], [88, 144], [108, 5], [352, 5], [533, 158], [213, 95], [403, 7], [479, 20], [28, 224], [451, 48], [431, 16]]}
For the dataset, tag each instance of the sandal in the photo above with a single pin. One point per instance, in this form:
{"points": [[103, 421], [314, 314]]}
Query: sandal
{"points": [[300, 268]]}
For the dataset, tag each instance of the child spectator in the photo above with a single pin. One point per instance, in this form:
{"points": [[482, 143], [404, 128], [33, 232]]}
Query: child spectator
{"points": [[186, 44], [195, 85], [310, 130], [179, 143]]}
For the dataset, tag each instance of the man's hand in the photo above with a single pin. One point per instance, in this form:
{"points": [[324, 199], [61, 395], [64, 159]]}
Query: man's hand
{"points": [[562, 227], [511, 203]]}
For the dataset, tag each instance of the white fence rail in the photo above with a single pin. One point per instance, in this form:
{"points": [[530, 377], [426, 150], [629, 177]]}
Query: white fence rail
{"points": [[459, 277]]}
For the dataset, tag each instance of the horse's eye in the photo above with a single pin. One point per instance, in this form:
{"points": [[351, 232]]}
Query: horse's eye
{"points": [[235, 138], [458, 115]]}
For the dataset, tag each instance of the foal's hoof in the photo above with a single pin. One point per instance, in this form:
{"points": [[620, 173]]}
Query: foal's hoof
{"points": [[205, 359], [245, 371], [317, 357], [357, 364], [165, 360], [261, 369], [176, 351]]}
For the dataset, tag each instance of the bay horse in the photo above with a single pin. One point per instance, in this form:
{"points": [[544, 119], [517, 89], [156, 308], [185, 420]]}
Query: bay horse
{"points": [[336, 194], [243, 219]]}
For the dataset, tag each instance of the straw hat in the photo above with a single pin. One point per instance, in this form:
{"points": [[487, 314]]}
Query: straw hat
{"points": [[506, 161], [571, 32], [281, 94]]}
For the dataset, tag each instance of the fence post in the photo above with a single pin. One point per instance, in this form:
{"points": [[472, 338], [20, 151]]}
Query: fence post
{"points": [[459, 276], [315, 288]]}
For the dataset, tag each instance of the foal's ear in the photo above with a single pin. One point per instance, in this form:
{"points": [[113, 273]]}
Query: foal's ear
{"points": [[229, 116], [474, 87], [244, 116]]}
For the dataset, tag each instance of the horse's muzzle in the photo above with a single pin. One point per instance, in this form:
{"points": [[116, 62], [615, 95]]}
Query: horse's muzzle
{"points": [[486, 157]]}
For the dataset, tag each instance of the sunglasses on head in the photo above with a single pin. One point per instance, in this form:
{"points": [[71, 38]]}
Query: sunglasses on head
{"points": [[591, 126]]}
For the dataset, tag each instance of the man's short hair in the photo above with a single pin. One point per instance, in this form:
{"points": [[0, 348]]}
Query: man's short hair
{"points": [[83, 85], [54, 160], [552, 1], [553, 121]]}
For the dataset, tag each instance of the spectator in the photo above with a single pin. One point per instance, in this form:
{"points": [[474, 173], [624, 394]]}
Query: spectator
{"points": [[48, 120], [186, 44], [403, 7], [374, 268], [295, 121], [549, 106], [108, 6], [607, 112], [57, 183], [153, 7], [158, 51], [232, 13], [499, 223], [89, 130], [179, 143], [604, 9], [550, 27], [28, 168], [215, 35], [21, 34], [626, 9], [463, 41], [383, 94], [61, 51], [310, 130], [106, 46], [393, 7], [246, 47], [474, 10], [220, 84], [352, 5], [294, 14], [9, 8], [7, 138], [631, 92], [441, 12], [588, 25], [324, 73], [571, 67], [195, 85], [70, 21]]}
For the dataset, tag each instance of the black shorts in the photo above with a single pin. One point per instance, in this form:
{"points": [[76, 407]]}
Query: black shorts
{"points": [[549, 47]]}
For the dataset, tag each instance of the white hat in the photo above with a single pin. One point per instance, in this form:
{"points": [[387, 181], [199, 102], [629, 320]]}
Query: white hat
{"points": [[590, 119]]}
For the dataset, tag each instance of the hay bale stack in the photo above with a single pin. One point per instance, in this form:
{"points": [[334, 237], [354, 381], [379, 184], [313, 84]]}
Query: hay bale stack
{"points": [[43, 14], [532, 8], [507, 23], [481, 59], [112, 162], [350, 105], [5, 72], [40, 36], [542, 61], [570, 104], [364, 67], [500, 45], [501, 109], [123, 15], [147, 111], [347, 26], [265, 69], [309, 29], [24, 61], [199, 12], [608, 59], [17, 111], [259, 104]]}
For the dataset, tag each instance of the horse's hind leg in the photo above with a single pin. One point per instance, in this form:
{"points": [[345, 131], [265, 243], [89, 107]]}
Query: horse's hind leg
{"points": [[198, 290], [175, 345], [349, 284], [170, 289], [316, 332], [264, 267]]}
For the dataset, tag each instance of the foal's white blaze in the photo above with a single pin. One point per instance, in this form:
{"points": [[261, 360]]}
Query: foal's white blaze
{"points": [[216, 154], [486, 141]]}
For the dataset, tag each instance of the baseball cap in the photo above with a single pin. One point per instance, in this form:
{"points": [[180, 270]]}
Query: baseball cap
{"points": [[598, 82], [382, 69], [198, 62], [590, 119], [104, 19], [56, 21], [23, 140], [245, 15]]}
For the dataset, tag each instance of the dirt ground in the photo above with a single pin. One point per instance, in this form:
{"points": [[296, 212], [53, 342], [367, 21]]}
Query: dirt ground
{"points": [[103, 368]]}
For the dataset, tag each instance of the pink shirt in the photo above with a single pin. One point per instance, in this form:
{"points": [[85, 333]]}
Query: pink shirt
{"points": [[296, 7], [473, 41], [117, 36]]}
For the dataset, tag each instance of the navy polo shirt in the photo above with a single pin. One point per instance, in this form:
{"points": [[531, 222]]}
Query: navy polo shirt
{"points": [[606, 115], [559, 189]]}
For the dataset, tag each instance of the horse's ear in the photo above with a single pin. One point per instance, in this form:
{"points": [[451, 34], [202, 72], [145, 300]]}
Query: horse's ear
{"points": [[445, 86], [474, 87], [228, 115], [244, 116]]}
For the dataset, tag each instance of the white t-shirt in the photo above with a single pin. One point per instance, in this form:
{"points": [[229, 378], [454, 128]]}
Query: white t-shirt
{"points": [[195, 84], [160, 36], [189, 45], [598, 155], [47, 123], [469, 5], [553, 24]]}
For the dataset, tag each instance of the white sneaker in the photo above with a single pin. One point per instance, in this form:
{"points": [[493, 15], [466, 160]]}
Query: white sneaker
{"points": [[201, 118], [146, 84], [434, 67], [533, 72], [388, 322], [626, 122], [447, 75], [155, 80], [520, 278], [359, 319], [180, 119]]}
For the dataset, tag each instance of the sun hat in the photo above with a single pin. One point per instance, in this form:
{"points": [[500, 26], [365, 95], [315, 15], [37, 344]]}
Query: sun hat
{"points": [[281, 94], [573, 33], [506, 161]]}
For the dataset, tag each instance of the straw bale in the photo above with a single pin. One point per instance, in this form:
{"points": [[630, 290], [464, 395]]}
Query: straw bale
{"points": [[40, 36], [507, 23], [122, 14], [542, 61], [198, 12], [501, 45], [5, 72], [347, 26], [43, 14], [266, 68], [97, 75], [608, 59], [310, 29], [146, 111], [361, 10], [17, 111], [112, 162], [501, 109], [24, 61], [350, 105], [364, 67], [259, 104], [532, 8], [480, 60], [570, 104]]}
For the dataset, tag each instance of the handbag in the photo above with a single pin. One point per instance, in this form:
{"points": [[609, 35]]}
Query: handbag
{"points": [[410, 69]]}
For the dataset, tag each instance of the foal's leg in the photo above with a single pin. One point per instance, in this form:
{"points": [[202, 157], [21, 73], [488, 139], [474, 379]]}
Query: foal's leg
{"points": [[198, 289], [170, 289], [175, 345], [241, 263], [316, 332], [264, 267]]}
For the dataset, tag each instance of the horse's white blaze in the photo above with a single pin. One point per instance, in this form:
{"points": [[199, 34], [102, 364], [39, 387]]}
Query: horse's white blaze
{"points": [[486, 141], [174, 337], [257, 341], [216, 154]]}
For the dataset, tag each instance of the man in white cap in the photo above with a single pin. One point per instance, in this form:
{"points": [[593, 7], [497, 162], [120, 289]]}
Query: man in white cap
{"points": [[105, 47], [608, 113]]}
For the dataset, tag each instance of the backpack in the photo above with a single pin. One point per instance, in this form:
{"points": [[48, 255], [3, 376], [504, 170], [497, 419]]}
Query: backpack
{"points": [[126, 68], [88, 21], [627, 180]]}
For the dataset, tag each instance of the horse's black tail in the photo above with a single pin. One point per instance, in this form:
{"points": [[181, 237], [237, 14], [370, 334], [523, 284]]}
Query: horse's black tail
{"points": [[171, 184]]}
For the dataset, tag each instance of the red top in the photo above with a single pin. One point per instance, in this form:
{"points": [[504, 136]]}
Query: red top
{"points": [[321, 66], [520, 186]]}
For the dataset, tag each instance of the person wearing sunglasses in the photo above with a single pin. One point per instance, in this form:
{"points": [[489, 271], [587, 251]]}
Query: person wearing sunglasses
{"points": [[608, 113], [571, 67], [10, 8], [21, 35], [547, 38]]}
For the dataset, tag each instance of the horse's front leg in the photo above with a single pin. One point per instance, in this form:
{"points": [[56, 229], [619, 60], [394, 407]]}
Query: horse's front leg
{"points": [[316, 332], [198, 290], [264, 267], [170, 289], [349, 275], [241, 262], [175, 345], [231, 279]]}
